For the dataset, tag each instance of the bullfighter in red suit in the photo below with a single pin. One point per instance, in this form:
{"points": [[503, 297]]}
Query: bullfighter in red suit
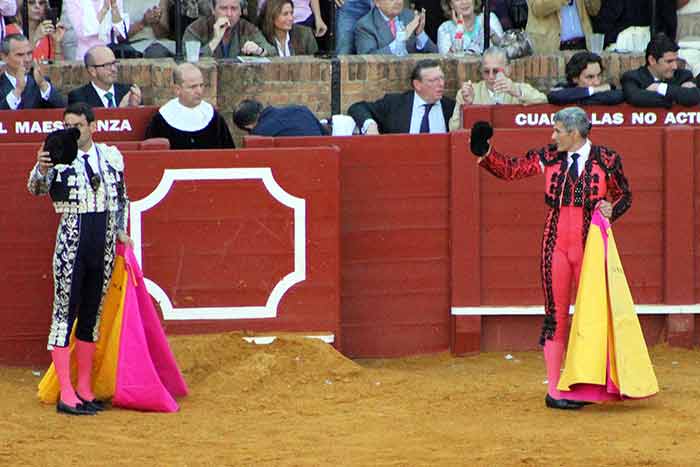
{"points": [[579, 177]]}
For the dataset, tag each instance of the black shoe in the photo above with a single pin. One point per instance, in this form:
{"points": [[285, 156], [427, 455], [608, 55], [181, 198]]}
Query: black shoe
{"points": [[95, 405], [581, 403], [562, 404], [80, 409]]}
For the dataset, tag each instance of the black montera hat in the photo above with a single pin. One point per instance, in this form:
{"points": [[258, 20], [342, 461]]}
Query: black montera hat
{"points": [[62, 145]]}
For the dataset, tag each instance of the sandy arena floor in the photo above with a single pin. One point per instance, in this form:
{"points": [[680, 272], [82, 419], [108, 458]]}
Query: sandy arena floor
{"points": [[299, 402]]}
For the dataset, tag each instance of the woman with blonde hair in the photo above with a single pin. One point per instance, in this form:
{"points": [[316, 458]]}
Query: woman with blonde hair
{"points": [[468, 14], [277, 25]]}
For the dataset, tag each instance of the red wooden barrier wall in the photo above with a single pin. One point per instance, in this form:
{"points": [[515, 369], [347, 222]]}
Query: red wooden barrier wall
{"points": [[540, 116], [26, 126], [208, 244], [394, 241]]}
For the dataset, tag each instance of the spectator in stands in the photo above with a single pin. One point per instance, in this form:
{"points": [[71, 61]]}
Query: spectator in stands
{"points": [[45, 31], [96, 22], [348, 13], [306, 13], [21, 85], [291, 120], [469, 13], [584, 85], [501, 8], [7, 8], [277, 25], [377, 31], [103, 90], [555, 25], [149, 27], [225, 34], [187, 121], [496, 87], [422, 110], [660, 83]]}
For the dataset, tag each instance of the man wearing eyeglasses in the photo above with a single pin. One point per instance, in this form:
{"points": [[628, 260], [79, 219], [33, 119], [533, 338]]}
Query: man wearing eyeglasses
{"points": [[103, 90], [495, 87], [90, 195], [422, 110], [23, 84]]}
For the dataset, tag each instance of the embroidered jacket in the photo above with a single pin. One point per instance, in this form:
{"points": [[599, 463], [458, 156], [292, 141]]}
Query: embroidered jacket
{"points": [[602, 178], [71, 192]]}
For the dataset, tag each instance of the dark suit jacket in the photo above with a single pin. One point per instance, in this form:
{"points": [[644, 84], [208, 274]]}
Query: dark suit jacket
{"points": [[635, 82], [617, 15], [292, 120], [31, 96], [564, 93], [88, 94], [393, 112], [373, 36]]}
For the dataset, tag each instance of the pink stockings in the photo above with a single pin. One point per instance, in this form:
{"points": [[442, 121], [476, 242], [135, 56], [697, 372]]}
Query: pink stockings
{"points": [[85, 352], [566, 267]]}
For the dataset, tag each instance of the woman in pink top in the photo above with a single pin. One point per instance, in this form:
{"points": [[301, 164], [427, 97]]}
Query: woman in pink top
{"points": [[96, 22]]}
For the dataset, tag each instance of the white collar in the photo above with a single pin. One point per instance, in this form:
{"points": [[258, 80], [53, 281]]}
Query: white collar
{"points": [[187, 118], [283, 50], [101, 92], [12, 79], [418, 102], [583, 152]]}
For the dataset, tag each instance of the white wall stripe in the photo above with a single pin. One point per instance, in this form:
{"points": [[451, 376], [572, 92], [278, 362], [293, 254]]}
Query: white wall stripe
{"points": [[539, 310]]}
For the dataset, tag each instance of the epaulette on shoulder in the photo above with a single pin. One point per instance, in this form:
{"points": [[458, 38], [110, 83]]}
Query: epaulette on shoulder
{"points": [[549, 155]]}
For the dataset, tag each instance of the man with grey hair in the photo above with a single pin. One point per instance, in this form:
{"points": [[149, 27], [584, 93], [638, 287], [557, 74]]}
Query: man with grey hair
{"points": [[23, 84], [580, 178], [495, 88]]}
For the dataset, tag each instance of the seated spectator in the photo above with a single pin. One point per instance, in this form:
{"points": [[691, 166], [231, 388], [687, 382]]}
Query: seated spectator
{"points": [[277, 25], [224, 34], [660, 83], [291, 120], [96, 22], [421, 110], [584, 85], [149, 28], [348, 13], [45, 31], [377, 32], [103, 90], [496, 87], [21, 85], [306, 13], [7, 8], [469, 12], [501, 8], [555, 25], [187, 121]]}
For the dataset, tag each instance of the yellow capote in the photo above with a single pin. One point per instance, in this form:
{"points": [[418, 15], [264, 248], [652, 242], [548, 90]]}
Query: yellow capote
{"points": [[605, 324], [104, 372]]}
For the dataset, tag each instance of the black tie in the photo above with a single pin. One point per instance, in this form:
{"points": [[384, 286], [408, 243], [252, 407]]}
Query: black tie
{"points": [[425, 123], [92, 178], [573, 168]]}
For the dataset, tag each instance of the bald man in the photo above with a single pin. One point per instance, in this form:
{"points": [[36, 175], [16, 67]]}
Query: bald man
{"points": [[188, 121]]}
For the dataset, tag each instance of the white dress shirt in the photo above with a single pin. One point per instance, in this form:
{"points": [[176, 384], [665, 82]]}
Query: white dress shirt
{"points": [[102, 93], [583, 152], [435, 117]]}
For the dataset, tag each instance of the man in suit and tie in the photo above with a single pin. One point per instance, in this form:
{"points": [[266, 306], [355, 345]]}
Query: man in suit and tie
{"points": [[103, 90], [660, 83], [422, 110], [377, 31], [21, 85]]}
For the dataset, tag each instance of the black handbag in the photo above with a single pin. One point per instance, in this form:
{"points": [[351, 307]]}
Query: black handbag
{"points": [[122, 49]]}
